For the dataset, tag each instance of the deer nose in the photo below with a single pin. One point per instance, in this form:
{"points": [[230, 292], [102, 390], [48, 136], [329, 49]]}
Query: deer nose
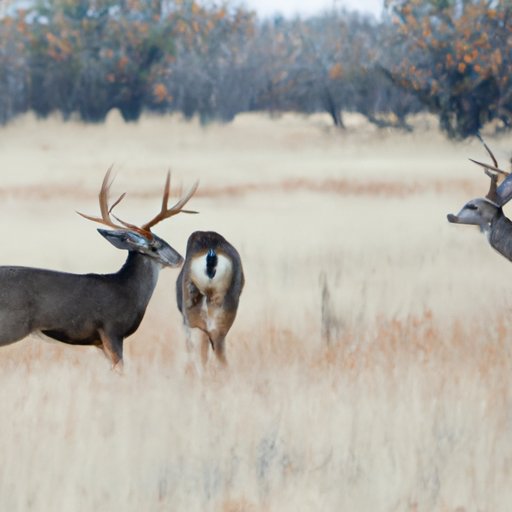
{"points": [[452, 218]]}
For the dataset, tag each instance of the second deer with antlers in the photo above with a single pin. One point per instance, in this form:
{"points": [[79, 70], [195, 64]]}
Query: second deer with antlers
{"points": [[487, 212], [91, 309]]}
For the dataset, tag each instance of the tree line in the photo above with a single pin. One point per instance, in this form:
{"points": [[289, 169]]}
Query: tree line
{"points": [[84, 57]]}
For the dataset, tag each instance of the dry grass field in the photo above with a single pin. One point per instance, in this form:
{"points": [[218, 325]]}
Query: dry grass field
{"points": [[370, 365]]}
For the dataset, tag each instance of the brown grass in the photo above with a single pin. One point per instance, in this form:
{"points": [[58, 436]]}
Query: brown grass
{"points": [[369, 364], [388, 189]]}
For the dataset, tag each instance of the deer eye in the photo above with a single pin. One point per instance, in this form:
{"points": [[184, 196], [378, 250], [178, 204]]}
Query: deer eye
{"points": [[471, 207]]}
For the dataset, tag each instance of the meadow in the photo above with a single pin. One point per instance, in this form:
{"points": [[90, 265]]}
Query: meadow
{"points": [[370, 362]]}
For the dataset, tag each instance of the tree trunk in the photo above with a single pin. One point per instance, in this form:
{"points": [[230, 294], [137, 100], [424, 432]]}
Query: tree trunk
{"points": [[333, 110]]}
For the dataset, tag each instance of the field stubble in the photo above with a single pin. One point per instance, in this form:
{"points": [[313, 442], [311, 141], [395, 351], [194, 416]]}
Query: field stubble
{"points": [[370, 361]]}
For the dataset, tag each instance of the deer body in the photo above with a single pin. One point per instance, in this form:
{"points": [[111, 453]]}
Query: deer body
{"points": [[74, 308], [208, 289], [90, 309], [500, 235]]}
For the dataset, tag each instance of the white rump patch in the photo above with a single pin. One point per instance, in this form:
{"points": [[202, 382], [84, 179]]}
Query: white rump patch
{"points": [[220, 281]]}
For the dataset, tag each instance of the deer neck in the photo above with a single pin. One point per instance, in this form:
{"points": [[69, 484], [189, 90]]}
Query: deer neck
{"points": [[139, 276], [500, 234]]}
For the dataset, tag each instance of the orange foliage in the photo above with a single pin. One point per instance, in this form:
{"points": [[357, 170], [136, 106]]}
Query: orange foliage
{"points": [[195, 8], [456, 45], [160, 93], [220, 14], [122, 63], [336, 71], [58, 47]]}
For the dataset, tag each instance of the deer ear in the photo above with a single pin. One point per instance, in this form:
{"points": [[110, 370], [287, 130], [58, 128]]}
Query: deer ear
{"points": [[125, 239]]}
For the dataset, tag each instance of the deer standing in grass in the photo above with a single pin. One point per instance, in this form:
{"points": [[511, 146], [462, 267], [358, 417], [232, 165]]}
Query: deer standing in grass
{"points": [[487, 212], [91, 309], [208, 290]]}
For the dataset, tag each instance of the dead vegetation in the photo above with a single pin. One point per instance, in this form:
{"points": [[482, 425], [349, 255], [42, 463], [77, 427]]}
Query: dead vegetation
{"points": [[370, 361]]}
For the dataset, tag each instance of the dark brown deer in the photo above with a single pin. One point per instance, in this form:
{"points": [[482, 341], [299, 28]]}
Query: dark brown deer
{"points": [[208, 290], [487, 212], [91, 309]]}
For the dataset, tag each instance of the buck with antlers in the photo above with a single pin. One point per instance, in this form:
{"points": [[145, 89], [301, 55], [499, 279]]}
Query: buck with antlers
{"points": [[208, 290], [91, 309], [487, 212]]}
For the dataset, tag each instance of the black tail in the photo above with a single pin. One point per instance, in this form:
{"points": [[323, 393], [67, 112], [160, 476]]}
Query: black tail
{"points": [[211, 263]]}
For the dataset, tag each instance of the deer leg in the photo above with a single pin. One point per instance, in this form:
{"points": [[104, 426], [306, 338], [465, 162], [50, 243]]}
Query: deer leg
{"points": [[191, 364], [188, 339], [218, 344], [205, 341], [113, 348]]}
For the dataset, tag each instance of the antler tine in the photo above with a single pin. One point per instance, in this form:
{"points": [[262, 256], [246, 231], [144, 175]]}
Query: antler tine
{"points": [[493, 158], [167, 191], [103, 197], [103, 201], [490, 167], [167, 212]]}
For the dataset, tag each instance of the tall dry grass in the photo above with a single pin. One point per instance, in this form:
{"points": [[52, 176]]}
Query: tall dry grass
{"points": [[369, 364]]}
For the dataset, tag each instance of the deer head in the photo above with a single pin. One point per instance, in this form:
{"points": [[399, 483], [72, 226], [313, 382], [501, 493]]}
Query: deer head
{"points": [[140, 239], [482, 211]]}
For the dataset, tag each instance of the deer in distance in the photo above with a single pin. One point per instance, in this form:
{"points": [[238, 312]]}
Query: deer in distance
{"points": [[208, 290], [91, 309], [487, 212]]}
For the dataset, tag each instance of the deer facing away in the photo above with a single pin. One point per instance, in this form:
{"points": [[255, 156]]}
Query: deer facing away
{"points": [[208, 290], [487, 212], [91, 309]]}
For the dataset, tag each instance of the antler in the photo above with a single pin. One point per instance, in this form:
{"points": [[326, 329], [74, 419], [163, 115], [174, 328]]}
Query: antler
{"points": [[145, 230], [103, 200], [498, 194], [165, 211], [493, 158], [493, 187]]}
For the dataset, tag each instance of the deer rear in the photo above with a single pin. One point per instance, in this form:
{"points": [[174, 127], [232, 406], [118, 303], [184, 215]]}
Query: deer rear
{"points": [[208, 290]]}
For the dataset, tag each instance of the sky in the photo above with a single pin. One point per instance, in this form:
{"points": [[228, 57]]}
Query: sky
{"points": [[307, 7]]}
